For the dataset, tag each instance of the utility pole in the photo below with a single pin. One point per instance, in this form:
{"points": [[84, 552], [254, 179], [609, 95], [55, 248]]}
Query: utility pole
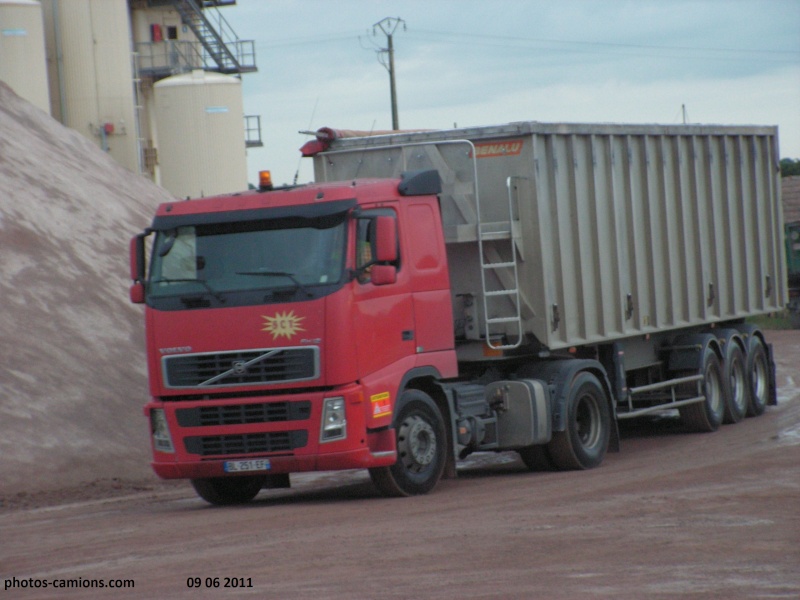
{"points": [[388, 26]]}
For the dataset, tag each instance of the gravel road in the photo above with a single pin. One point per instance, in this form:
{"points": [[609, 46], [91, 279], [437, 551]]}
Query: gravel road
{"points": [[672, 515]]}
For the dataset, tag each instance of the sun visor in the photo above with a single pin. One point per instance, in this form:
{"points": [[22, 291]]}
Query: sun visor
{"points": [[304, 211], [420, 183]]}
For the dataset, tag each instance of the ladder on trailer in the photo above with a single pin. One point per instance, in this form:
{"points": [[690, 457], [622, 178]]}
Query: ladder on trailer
{"points": [[500, 278]]}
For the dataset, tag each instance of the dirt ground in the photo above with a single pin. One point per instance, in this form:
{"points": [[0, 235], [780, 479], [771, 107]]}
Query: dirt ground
{"points": [[672, 515]]}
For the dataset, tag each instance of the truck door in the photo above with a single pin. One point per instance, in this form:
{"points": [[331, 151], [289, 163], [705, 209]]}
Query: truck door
{"points": [[383, 314], [430, 282]]}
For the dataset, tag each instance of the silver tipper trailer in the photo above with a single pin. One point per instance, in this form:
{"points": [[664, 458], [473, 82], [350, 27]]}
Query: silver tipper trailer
{"points": [[644, 247], [584, 233]]}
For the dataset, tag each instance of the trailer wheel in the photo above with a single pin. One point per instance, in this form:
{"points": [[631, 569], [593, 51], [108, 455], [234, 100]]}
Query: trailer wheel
{"points": [[757, 378], [736, 394], [223, 491], [584, 442], [421, 448], [707, 415]]}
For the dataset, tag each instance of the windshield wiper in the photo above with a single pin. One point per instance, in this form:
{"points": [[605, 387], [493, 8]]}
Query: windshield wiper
{"points": [[202, 282], [286, 274]]}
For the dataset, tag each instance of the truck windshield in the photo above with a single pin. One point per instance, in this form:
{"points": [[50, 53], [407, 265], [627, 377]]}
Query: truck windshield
{"points": [[268, 256]]}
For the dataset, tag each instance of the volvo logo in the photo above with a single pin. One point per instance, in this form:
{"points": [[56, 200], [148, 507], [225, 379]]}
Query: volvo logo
{"points": [[175, 350], [239, 367]]}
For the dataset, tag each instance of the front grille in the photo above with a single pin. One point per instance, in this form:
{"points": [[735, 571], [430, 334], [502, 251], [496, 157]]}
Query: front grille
{"points": [[242, 368], [249, 443], [240, 414]]}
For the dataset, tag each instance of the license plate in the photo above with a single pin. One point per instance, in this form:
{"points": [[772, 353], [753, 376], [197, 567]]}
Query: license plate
{"points": [[239, 466]]}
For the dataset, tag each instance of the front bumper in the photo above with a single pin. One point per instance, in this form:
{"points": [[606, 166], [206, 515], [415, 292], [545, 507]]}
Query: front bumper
{"points": [[285, 429]]}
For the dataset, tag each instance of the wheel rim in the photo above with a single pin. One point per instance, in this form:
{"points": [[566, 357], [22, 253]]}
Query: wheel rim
{"points": [[713, 389], [587, 421], [760, 380], [417, 443], [738, 386]]}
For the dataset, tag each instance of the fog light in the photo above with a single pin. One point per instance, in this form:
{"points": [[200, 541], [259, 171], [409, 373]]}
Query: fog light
{"points": [[334, 420], [162, 441]]}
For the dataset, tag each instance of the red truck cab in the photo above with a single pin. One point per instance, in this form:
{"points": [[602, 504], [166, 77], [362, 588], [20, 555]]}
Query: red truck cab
{"points": [[282, 326]]}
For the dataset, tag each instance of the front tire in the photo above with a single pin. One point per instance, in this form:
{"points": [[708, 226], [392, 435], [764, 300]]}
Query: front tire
{"points": [[224, 491], [584, 443], [421, 448]]}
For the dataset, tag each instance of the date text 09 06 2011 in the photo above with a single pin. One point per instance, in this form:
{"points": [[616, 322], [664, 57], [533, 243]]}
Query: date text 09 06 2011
{"points": [[219, 582]]}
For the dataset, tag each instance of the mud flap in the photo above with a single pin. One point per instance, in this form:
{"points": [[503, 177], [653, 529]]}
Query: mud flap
{"points": [[773, 385]]}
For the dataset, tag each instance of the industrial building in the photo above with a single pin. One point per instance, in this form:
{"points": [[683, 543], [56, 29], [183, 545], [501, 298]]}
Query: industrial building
{"points": [[154, 83]]}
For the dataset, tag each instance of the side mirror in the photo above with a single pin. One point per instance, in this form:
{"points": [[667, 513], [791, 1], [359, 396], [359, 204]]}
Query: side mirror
{"points": [[383, 274], [137, 257], [137, 293], [137, 268], [386, 239]]}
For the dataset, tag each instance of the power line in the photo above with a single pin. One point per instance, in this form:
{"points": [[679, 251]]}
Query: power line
{"points": [[308, 41], [478, 39], [516, 39]]}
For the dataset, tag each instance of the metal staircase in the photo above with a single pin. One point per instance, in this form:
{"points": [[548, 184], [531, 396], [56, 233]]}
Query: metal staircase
{"points": [[230, 54], [502, 265]]}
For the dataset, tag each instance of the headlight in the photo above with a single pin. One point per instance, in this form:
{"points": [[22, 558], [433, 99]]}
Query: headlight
{"points": [[334, 420], [162, 441]]}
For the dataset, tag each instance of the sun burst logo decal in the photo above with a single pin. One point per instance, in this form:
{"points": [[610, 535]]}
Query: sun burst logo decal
{"points": [[284, 324]]}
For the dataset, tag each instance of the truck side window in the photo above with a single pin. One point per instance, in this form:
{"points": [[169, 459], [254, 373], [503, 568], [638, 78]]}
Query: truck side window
{"points": [[179, 254], [365, 239], [365, 246]]}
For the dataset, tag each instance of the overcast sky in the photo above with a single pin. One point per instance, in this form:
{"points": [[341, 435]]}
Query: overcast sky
{"points": [[482, 62]]}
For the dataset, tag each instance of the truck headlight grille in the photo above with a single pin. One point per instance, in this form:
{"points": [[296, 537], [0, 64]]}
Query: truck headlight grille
{"points": [[248, 443], [241, 368]]}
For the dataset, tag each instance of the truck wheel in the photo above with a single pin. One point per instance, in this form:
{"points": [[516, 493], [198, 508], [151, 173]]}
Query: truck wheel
{"points": [[421, 448], [584, 442], [537, 458], [757, 378], [707, 415], [223, 491], [736, 396]]}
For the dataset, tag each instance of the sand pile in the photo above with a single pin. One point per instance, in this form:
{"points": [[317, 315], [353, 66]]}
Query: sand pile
{"points": [[72, 367]]}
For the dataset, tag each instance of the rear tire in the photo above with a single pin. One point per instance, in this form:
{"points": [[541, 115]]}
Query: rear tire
{"points": [[224, 491], [757, 378], [736, 390], [421, 448], [584, 443], [706, 416], [537, 458]]}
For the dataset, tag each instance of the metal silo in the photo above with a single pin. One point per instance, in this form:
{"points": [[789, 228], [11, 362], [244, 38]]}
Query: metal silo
{"points": [[22, 51], [200, 123], [89, 52]]}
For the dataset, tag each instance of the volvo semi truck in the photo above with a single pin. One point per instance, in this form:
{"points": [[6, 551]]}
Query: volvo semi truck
{"points": [[521, 287]]}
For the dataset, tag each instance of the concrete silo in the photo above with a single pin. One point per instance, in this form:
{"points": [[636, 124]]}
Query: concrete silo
{"points": [[22, 51], [90, 62], [201, 145]]}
